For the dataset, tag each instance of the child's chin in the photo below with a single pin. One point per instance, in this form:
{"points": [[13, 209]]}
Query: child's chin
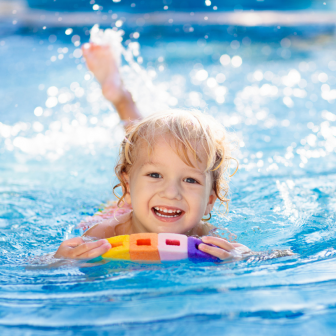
{"points": [[167, 229]]}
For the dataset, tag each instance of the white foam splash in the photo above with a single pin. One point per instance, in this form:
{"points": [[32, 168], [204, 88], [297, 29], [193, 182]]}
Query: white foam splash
{"points": [[79, 121]]}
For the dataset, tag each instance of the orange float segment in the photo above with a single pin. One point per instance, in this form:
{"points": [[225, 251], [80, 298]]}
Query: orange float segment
{"points": [[144, 246], [120, 248]]}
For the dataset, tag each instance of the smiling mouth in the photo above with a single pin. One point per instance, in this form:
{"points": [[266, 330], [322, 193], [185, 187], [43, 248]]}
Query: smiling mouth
{"points": [[167, 213]]}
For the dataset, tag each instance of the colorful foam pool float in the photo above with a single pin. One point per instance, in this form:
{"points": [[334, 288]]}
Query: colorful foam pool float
{"points": [[153, 247], [120, 248]]}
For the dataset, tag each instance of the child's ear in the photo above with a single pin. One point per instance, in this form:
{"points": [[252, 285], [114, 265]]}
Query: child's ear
{"points": [[127, 198], [211, 202]]}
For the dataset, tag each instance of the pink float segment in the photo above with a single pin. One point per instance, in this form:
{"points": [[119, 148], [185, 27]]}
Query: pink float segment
{"points": [[172, 246]]}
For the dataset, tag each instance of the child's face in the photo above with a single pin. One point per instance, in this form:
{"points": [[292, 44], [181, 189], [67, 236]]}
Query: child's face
{"points": [[166, 194]]}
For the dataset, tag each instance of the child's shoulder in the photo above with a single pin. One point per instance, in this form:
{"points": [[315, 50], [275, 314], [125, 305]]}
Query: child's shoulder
{"points": [[109, 227], [103, 223], [203, 229]]}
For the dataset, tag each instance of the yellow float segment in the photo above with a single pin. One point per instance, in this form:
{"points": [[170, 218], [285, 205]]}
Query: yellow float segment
{"points": [[120, 248]]}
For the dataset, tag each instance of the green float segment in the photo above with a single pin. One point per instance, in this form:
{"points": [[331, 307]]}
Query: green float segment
{"points": [[155, 247]]}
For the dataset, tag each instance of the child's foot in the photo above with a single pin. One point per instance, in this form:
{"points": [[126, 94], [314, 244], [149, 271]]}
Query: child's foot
{"points": [[101, 61]]}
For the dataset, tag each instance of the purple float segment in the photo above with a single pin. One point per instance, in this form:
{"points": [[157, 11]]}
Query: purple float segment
{"points": [[172, 246], [195, 254]]}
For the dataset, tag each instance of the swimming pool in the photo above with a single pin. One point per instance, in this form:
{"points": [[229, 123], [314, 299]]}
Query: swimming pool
{"points": [[58, 146]]}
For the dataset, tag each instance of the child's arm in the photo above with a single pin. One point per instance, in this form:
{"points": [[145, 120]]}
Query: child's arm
{"points": [[223, 249], [102, 63], [77, 248]]}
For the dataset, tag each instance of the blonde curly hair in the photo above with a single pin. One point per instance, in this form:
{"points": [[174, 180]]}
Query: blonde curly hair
{"points": [[188, 129]]}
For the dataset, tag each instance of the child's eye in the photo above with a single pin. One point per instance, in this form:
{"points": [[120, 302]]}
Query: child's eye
{"points": [[190, 180], [154, 175]]}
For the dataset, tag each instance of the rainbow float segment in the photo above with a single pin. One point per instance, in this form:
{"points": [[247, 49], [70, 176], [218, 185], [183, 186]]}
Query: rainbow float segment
{"points": [[153, 247]]}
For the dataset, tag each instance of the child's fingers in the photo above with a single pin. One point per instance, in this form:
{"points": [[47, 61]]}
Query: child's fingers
{"points": [[66, 249], [220, 242], [241, 248], [76, 248], [215, 251], [73, 242], [85, 247], [96, 252]]}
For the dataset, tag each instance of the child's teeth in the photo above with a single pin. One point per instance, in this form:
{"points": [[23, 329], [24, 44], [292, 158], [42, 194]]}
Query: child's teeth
{"points": [[167, 211], [166, 216]]}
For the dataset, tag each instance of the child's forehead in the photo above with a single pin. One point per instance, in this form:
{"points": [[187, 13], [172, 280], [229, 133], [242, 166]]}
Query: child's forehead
{"points": [[169, 142], [159, 152]]}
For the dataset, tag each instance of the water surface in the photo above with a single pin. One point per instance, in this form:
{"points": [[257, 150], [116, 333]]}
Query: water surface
{"points": [[58, 145]]}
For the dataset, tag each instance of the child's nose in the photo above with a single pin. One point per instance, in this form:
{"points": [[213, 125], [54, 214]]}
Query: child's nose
{"points": [[171, 190]]}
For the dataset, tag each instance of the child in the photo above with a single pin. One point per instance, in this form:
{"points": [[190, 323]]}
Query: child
{"points": [[172, 168]]}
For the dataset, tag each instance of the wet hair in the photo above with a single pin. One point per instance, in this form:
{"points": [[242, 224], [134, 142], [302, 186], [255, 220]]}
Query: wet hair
{"points": [[188, 132]]}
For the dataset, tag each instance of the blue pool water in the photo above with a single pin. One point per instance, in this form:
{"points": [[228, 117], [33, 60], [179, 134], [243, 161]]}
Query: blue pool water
{"points": [[58, 145]]}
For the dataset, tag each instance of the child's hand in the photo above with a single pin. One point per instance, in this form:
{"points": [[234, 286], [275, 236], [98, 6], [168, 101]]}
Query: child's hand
{"points": [[225, 250], [77, 248]]}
